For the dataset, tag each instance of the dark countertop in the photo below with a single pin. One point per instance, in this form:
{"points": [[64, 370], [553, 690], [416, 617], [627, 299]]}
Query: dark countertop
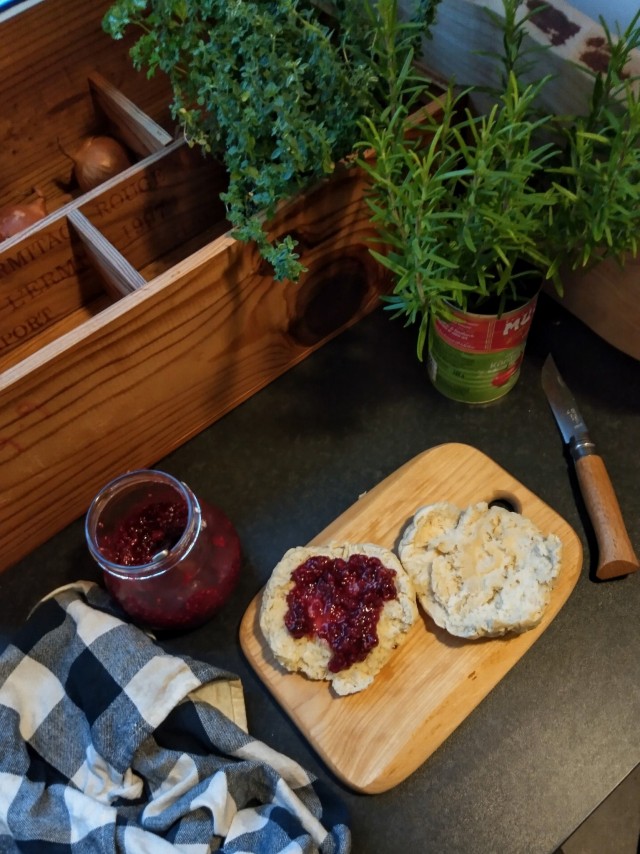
{"points": [[560, 731]]}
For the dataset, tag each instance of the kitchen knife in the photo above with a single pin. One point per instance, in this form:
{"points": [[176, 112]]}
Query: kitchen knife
{"points": [[616, 556]]}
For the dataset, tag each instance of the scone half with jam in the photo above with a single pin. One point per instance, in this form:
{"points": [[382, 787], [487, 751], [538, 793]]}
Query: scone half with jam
{"points": [[338, 612], [481, 571]]}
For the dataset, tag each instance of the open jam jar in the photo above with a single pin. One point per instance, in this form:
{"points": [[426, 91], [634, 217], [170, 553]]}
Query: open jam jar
{"points": [[170, 560]]}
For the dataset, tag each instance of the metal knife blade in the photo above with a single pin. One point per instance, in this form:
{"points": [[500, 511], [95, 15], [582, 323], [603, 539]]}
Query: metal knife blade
{"points": [[616, 556], [565, 409]]}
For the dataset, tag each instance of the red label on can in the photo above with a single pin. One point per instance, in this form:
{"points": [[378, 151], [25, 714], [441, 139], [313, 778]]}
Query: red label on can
{"points": [[477, 333]]}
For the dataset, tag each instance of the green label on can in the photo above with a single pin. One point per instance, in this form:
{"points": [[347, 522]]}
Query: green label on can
{"points": [[472, 377]]}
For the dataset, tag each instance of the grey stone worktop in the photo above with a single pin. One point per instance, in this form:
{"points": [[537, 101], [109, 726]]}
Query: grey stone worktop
{"points": [[560, 731]]}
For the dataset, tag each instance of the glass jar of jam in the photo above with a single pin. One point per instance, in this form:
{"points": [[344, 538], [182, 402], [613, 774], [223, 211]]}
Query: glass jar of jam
{"points": [[170, 560]]}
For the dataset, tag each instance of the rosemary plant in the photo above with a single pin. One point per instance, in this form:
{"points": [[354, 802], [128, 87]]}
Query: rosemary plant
{"points": [[476, 209], [598, 214]]}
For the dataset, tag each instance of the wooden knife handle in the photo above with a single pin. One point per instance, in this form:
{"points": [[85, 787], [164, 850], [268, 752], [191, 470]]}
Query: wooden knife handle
{"points": [[616, 556]]}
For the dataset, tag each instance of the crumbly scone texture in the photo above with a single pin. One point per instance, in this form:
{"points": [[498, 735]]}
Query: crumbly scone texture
{"points": [[482, 571], [311, 655]]}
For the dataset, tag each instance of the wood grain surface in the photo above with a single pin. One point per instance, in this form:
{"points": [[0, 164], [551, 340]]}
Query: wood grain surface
{"points": [[375, 739], [606, 298], [156, 367], [615, 550], [48, 53]]}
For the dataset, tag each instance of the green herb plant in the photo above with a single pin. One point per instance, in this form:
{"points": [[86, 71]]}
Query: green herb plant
{"points": [[478, 208], [598, 178], [273, 89]]}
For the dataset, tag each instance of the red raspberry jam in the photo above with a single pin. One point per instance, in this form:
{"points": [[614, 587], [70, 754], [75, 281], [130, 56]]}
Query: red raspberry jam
{"points": [[145, 533], [341, 602], [168, 559]]}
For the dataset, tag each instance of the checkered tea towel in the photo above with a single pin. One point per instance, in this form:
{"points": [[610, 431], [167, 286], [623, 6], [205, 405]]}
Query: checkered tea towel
{"points": [[106, 745]]}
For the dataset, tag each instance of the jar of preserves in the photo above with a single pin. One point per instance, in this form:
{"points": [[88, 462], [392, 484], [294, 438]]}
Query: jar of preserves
{"points": [[170, 560]]}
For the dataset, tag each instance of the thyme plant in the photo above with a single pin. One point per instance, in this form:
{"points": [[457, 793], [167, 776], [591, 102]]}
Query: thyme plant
{"points": [[273, 89]]}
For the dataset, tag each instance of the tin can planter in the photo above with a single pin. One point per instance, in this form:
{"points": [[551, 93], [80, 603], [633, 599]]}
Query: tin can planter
{"points": [[476, 358]]}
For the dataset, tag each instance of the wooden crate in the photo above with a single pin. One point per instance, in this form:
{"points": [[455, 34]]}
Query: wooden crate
{"points": [[130, 318], [606, 298]]}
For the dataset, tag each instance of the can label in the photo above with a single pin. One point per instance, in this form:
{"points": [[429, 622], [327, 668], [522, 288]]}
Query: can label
{"points": [[475, 358]]}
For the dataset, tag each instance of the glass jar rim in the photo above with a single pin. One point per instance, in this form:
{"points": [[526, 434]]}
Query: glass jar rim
{"points": [[156, 566]]}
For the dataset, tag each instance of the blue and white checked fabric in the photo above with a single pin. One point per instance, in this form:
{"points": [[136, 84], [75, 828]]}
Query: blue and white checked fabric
{"points": [[105, 748]]}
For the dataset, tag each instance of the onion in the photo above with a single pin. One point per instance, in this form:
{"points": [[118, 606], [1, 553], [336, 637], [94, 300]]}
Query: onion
{"points": [[14, 218], [97, 159]]}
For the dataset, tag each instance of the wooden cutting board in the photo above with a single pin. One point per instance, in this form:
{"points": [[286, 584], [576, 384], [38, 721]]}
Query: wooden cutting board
{"points": [[374, 739]]}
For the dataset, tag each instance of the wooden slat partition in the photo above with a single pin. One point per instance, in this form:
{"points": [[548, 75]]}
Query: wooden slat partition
{"points": [[135, 128], [119, 276]]}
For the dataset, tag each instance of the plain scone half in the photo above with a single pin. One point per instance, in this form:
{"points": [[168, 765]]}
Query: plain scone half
{"points": [[311, 654], [480, 571]]}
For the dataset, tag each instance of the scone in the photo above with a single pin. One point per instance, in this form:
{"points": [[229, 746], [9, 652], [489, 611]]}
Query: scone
{"points": [[482, 571], [338, 612]]}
